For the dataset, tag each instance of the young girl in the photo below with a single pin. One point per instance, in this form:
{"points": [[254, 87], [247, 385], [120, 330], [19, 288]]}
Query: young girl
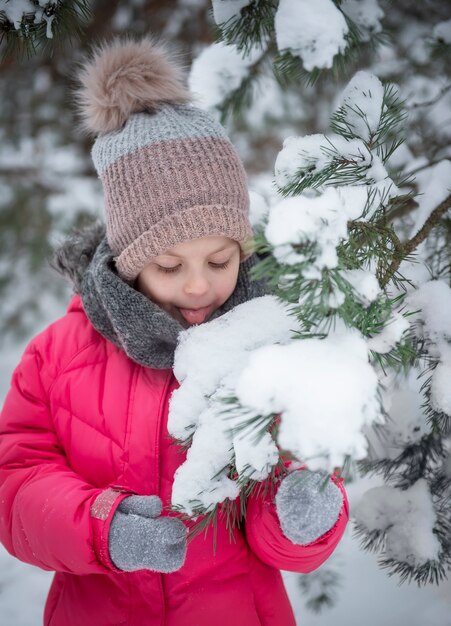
{"points": [[86, 460]]}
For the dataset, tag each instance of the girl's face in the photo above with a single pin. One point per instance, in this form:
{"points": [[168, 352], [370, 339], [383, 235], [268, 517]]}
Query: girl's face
{"points": [[193, 279]]}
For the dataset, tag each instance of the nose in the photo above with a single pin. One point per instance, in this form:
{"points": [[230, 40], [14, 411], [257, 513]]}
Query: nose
{"points": [[196, 284]]}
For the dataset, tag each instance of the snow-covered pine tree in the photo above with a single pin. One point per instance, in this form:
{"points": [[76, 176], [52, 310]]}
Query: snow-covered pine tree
{"points": [[27, 26], [359, 256]]}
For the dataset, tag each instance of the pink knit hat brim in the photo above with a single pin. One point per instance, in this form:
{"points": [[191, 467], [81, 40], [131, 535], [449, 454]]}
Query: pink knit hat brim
{"points": [[204, 220]]}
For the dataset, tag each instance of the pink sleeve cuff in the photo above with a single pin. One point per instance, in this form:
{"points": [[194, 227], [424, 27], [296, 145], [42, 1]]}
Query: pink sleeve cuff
{"points": [[102, 510], [266, 539]]}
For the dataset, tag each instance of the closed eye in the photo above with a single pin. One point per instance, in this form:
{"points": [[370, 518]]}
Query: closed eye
{"points": [[170, 270], [220, 266], [167, 270]]}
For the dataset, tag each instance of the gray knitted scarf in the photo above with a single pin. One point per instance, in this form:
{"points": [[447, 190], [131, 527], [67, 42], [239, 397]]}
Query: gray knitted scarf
{"points": [[147, 333]]}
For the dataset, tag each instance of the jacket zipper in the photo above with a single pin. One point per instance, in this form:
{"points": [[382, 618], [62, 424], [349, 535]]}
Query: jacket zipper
{"points": [[158, 473]]}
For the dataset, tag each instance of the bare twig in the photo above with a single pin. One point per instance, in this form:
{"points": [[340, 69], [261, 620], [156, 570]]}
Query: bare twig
{"points": [[441, 93], [409, 246], [426, 165], [433, 219]]}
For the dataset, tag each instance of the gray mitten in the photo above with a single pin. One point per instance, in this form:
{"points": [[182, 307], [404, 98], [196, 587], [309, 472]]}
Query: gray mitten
{"points": [[140, 539], [304, 511]]}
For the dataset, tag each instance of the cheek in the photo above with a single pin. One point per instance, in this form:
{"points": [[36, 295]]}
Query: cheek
{"points": [[227, 285], [154, 288], [162, 292]]}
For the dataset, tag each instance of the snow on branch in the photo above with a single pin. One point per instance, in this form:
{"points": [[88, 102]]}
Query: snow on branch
{"points": [[315, 32], [406, 520], [325, 389], [26, 25]]}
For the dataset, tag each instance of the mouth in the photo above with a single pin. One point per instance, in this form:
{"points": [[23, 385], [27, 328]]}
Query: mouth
{"points": [[195, 316]]}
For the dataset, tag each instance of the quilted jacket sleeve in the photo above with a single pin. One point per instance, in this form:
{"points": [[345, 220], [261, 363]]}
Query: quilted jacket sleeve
{"points": [[49, 516], [266, 539]]}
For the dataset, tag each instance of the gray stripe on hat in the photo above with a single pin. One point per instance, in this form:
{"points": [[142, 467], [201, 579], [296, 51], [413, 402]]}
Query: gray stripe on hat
{"points": [[141, 129]]}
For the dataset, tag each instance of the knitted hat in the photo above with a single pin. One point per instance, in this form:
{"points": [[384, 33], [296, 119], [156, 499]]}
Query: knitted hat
{"points": [[168, 170]]}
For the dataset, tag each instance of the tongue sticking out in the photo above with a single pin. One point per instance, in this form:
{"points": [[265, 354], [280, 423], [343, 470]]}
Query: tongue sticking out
{"points": [[195, 317]]}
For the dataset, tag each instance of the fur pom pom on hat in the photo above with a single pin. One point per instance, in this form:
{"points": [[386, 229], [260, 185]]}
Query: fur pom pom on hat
{"points": [[168, 170], [127, 77]]}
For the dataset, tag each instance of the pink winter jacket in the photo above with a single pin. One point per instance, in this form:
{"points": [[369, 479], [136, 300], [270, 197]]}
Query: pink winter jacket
{"points": [[82, 427]]}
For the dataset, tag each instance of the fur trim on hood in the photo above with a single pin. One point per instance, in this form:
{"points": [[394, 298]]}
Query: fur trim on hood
{"points": [[73, 256]]}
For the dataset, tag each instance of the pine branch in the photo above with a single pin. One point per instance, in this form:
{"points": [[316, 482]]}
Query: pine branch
{"points": [[415, 461], [253, 27], [241, 98], [427, 573], [201, 521], [440, 422], [232, 512], [432, 571], [321, 587], [288, 68]]}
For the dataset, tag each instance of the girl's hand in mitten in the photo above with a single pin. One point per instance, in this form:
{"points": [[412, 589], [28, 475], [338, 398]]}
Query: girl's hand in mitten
{"points": [[140, 539], [304, 511]]}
